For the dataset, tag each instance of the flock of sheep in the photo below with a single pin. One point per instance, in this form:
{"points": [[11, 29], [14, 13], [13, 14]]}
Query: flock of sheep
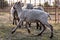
{"points": [[30, 15]]}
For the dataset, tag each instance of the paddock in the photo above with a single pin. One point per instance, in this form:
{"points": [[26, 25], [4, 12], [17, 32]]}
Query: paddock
{"points": [[6, 26], [22, 34]]}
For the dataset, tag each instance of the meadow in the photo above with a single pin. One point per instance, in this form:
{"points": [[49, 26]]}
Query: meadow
{"points": [[22, 34]]}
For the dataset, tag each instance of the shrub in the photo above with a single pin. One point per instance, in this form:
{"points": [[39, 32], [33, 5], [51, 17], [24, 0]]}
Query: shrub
{"points": [[3, 4]]}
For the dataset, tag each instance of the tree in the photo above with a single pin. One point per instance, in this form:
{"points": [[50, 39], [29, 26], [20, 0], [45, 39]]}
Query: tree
{"points": [[46, 4], [55, 4], [3, 4]]}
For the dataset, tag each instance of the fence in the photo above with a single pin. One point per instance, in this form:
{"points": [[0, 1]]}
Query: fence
{"points": [[54, 11]]}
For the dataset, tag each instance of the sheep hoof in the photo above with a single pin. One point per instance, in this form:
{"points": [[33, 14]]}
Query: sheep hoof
{"points": [[13, 23], [51, 37], [29, 31], [19, 26], [12, 32], [39, 34]]}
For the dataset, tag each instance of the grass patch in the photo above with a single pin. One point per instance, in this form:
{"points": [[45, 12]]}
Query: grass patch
{"points": [[22, 34]]}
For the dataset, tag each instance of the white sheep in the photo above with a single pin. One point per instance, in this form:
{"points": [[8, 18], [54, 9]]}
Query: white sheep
{"points": [[30, 6], [33, 15], [14, 12], [14, 15]]}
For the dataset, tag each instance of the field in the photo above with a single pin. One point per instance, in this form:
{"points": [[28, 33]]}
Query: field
{"points": [[22, 34]]}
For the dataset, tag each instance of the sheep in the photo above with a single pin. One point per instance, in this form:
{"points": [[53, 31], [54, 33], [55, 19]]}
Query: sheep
{"points": [[30, 6], [14, 16], [33, 15]]}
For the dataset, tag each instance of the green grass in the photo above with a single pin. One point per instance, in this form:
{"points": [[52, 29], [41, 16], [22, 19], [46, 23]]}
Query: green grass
{"points": [[22, 34]]}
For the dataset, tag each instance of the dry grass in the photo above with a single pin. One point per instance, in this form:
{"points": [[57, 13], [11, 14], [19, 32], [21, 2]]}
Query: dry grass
{"points": [[22, 34]]}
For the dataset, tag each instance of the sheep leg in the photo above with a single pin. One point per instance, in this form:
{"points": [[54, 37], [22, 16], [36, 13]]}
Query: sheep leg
{"points": [[40, 26], [18, 21], [43, 29], [51, 28], [37, 25], [14, 29], [19, 24], [13, 21], [27, 26], [51, 31], [13, 18]]}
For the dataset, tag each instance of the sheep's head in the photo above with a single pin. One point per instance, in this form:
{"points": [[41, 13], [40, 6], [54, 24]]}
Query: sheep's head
{"points": [[17, 5], [29, 6]]}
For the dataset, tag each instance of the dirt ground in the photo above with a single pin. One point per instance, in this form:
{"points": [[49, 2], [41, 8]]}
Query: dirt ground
{"points": [[22, 34]]}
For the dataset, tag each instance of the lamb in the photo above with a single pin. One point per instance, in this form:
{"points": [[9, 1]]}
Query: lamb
{"points": [[14, 16], [33, 15], [30, 6]]}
